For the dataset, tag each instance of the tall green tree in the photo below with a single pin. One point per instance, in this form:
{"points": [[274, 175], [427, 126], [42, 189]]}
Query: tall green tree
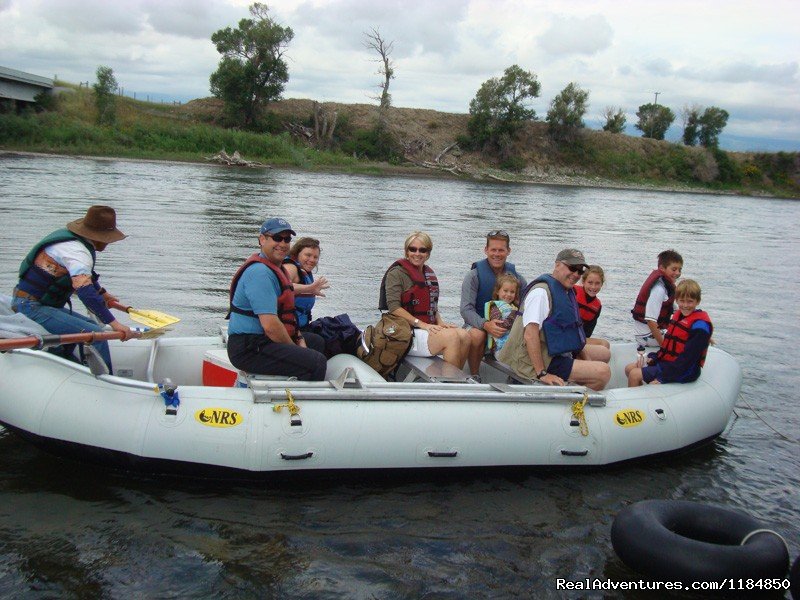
{"points": [[252, 71], [691, 124], [654, 120], [499, 107], [566, 112], [712, 122], [105, 99], [615, 119]]}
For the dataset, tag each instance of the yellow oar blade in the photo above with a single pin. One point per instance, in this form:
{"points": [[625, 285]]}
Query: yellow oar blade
{"points": [[152, 318]]}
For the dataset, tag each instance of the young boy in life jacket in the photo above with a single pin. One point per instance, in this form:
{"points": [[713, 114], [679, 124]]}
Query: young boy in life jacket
{"points": [[655, 302], [589, 305], [502, 307], [686, 341]]}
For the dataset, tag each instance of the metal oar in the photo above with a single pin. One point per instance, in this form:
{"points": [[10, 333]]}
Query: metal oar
{"points": [[152, 318]]}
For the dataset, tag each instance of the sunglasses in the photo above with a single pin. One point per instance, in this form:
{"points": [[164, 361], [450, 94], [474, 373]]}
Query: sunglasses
{"points": [[497, 233], [576, 268], [420, 250], [281, 238]]}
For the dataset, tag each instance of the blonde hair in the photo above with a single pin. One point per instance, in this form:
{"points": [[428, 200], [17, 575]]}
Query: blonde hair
{"points": [[422, 236], [594, 269], [505, 278], [688, 288]]}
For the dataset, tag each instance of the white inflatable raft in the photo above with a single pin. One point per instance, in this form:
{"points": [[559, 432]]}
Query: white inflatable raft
{"points": [[433, 417]]}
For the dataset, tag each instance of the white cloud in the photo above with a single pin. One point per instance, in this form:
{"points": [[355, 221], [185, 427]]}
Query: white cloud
{"points": [[577, 35], [742, 59]]}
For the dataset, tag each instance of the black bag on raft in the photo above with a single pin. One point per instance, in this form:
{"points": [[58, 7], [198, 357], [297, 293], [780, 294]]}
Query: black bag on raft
{"points": [[339, 333]]}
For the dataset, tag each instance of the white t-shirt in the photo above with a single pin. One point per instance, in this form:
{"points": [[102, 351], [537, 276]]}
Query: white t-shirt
{"points": [[658, 295], [73, 256], [537, 307]]}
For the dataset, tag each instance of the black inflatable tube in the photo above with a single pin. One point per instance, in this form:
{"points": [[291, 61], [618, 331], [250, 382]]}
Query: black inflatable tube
{"points": [[794, 579], [678, 540]]}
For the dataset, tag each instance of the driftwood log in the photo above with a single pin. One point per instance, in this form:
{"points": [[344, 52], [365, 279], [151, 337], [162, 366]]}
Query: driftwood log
{"points": [[234, 160]]}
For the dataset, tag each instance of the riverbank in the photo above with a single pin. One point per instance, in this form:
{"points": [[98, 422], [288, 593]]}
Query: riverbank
{"points": [[415, 142]]}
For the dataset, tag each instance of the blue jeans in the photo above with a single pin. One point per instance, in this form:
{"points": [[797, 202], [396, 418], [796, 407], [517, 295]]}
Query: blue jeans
{"points": [[60, 321]]}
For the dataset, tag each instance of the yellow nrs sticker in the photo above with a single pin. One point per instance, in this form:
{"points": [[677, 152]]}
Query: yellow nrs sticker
{"points": [[630, 417], [218, 417]]}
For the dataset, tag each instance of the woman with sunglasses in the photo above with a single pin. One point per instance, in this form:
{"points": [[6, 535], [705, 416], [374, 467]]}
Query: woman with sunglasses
{"points": [[410, 290]]}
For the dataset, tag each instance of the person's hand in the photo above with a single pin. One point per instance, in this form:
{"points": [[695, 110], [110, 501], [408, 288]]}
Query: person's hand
{"points": [[655, 382], [319, 285], [495, 328], [127, 332], [302, 342], [448, 325], [551, 379], [431, 328]]}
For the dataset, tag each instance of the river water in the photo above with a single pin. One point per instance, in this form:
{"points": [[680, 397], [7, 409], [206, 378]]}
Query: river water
{"points": [[68, 529]]}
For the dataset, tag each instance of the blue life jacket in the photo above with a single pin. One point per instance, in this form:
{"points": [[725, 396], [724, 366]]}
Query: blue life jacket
{"points": [[563, 328], [486, 281], [302, 304]]}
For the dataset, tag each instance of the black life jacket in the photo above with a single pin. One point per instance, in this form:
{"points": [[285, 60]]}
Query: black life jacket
{"points": [[285, 299]]}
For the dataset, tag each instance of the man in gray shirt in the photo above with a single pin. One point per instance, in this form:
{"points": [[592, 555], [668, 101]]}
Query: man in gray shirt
{"points": [[476, 291]]}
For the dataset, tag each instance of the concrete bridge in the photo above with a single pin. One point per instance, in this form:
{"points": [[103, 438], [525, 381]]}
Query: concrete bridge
{"points": [[20, 86]]}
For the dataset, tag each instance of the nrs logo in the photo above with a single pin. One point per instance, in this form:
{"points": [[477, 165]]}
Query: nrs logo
{"points": [[629, 418], [218, 417]]}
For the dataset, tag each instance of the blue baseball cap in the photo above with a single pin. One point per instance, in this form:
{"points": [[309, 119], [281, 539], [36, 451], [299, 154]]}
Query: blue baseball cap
{"points": [[276, 225]]}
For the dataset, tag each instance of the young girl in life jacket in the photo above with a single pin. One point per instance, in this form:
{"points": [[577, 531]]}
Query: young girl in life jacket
{"points": [[589, 305], [503, 306]]}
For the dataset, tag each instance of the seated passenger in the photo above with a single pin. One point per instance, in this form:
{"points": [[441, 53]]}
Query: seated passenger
{"points": [[476, 291], [410, 290], [655, 302], [683, 352], [548, 342], [502, 307], [589, 305], [263, 337], [300, 264]]}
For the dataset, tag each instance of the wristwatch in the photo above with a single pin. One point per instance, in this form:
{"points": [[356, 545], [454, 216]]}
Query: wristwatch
{"points": [[416, 322], [541, 374]]}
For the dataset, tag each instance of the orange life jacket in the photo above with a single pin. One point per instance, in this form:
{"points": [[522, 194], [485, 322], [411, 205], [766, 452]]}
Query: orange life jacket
{"points": [[587, 309], [286, 312], [641, 300], [678, 334], [422, 298]]}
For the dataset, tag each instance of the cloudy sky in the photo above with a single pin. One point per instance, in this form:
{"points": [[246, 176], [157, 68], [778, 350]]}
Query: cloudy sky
{"points": [[740, 55]]}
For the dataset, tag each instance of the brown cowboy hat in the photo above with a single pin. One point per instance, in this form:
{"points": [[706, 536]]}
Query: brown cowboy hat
{"points": [[99, 225]]}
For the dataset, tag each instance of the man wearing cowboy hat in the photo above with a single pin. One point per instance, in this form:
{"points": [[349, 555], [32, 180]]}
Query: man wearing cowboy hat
{"points": [[62, 264], [548, 343]]}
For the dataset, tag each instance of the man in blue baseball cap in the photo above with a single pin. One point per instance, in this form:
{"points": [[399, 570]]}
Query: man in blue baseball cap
{"points": [[263, 337]]}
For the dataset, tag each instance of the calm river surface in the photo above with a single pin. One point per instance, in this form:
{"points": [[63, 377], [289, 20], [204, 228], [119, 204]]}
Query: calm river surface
{"points": [[70, 530]]}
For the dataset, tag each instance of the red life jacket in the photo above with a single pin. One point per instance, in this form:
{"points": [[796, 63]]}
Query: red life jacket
{"points": [[678, 334], [641, 300], [286, 312], [422, 298], [588, 310]]}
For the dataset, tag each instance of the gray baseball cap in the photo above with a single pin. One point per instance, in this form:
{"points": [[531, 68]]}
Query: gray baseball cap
{"points": [[571, 256]]}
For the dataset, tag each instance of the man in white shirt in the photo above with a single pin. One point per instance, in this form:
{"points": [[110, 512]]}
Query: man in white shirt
{"points": [[61, 264], [548, 342]]}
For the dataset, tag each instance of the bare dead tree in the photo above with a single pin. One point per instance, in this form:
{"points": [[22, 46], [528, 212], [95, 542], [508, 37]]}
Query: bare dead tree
{"points": [[374, 41]]}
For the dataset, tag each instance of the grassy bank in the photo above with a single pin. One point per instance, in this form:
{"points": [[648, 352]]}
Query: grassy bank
{"points": [[413, 141]]}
